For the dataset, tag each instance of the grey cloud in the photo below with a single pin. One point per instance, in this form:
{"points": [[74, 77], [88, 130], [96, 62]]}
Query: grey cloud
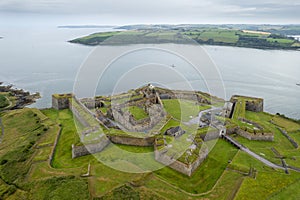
{"points": [[176, 10]]}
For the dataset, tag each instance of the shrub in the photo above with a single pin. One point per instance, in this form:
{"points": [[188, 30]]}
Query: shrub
{"points": [[2, 162]]}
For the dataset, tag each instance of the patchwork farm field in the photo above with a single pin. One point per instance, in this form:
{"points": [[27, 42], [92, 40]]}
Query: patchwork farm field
{"points": [[205, 35]]}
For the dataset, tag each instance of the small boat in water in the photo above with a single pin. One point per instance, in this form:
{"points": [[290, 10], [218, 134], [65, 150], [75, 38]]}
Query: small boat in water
{"points": [[298, 84]]}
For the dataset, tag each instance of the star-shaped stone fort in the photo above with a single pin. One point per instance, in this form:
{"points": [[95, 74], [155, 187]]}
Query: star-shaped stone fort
{"points": [[177, 123]]}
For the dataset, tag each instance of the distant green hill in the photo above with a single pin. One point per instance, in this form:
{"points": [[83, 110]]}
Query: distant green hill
{"points": [[223, 36]]}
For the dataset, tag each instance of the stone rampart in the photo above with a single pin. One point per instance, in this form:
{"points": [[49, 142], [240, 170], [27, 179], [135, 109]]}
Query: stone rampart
{"points": [[54, 146], [187, 169], [156, 114], [77, 115], [61, 101], [295, 144], [257, 136], [87, 149], [133, 141], [251, 122], [252, 103]]}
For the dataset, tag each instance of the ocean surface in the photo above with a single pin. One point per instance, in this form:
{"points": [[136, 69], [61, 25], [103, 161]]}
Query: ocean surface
{"points": [[41, 60]]}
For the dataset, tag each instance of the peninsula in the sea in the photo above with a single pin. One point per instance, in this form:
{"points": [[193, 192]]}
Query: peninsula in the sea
{"points": [[250, 36]]}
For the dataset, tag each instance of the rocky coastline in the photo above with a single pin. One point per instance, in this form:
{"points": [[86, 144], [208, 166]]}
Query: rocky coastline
{"points": [[19, 98]]}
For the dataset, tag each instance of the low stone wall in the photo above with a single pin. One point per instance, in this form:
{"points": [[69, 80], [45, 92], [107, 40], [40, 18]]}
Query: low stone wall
{"points": [[258, 136], [135, 122], [54, 146], [142, 142], [251, 122], [87, 149], [294, 168], [295, 144]]}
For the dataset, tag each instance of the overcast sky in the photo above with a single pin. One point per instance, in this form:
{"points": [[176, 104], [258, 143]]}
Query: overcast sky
{"points": [[119, 12]]}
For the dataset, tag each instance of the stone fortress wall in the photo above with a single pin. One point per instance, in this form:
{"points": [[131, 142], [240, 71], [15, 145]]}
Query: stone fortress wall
{"points": [[156, 114], [257, 136], [87, 149], [77, 115], [61, 101], [187, 169], [133, 141], [178, 94], [255, 105], [82, 150], [154, 109], [252, 103]]}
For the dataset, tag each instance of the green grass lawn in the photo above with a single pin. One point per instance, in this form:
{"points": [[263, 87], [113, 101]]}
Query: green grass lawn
{"points": [[23, 128], [183, 109], [263, 148], [282, 41], [288, 125], [69, 136], [205, 177], [60, 188], [26, 146], [135, 149], [240, 109], [280, 143], [222, 191], [171, 123], [225, 36], [128, 158], [137, 112], [295, 136], [291, 191], [267, 181]]}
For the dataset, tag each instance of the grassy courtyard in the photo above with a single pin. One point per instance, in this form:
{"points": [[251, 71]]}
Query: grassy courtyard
{"points": [[183, 110]]}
